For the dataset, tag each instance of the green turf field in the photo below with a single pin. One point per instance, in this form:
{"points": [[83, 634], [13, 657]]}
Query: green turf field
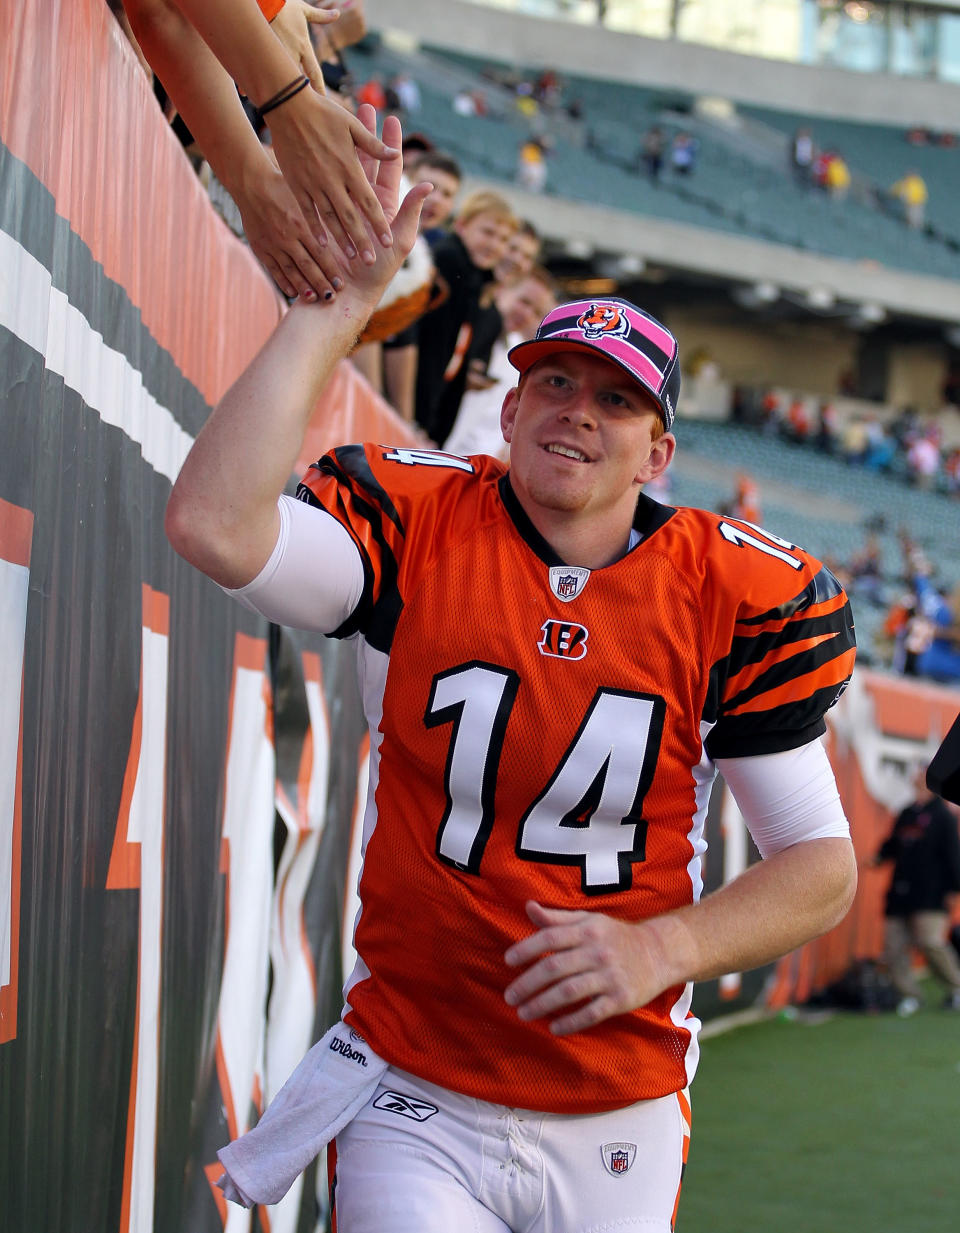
{"points": [[847, 1125]]}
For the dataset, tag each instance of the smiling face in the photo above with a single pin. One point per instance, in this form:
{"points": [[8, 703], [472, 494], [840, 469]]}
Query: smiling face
{"points": [[485, 237], [524, 305], [438, 207], [522, 250], [584, 437]]}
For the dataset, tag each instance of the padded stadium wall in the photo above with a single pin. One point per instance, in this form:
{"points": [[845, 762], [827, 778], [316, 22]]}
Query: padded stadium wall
{"points": [[179, 781]]}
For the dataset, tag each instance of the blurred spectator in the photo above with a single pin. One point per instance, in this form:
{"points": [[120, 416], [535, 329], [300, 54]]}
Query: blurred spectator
{"points": [[651, 152], [746, 500], [407, 92], [526, 104], [831, 173], [827, 429], [683, 154], [797, 424], [881, 446], [923, 459], [523, 249], [464, 103], [521, 305], [929, 635], [414, 144], [866, 571], [444, 173], [911, 191], [770, 412], [854, 440], [546, 89], [394, 371], [951, 472], [802, 155], [372, 92], [836, 176], [924, 847], [426, 384], [532, 165], [904, 426], [938, 647]]}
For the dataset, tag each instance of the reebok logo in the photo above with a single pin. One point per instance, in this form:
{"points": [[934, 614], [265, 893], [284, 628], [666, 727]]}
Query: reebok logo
{"points": [[405, 1106]]}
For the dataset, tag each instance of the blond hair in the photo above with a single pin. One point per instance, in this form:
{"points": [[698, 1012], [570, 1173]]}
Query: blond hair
{"points": [[485, 202]]}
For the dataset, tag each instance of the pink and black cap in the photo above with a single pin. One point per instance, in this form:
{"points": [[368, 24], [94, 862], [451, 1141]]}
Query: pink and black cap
{"points": [[619, 331]]}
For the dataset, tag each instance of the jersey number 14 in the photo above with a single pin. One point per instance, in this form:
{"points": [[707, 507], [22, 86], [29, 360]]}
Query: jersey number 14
{"points": [[590, 811]]}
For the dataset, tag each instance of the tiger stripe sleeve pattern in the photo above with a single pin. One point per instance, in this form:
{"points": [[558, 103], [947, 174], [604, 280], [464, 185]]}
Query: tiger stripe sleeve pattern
{"points": [[343, 484], [786, 667]]}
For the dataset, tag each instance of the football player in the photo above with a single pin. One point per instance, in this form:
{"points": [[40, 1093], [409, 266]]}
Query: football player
{"points": [[554, 668]]}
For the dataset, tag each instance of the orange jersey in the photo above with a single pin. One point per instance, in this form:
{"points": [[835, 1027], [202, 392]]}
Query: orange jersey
{"points": [[544, 732]]}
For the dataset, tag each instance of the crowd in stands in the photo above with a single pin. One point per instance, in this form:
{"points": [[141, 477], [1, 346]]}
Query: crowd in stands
{"points": [[906, 447], [827, 169], [922, 622], [437, 347]]}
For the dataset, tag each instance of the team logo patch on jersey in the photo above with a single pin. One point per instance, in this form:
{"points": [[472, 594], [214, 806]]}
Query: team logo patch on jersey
{"points": [[567, 581], [618, 1157], [563, 639], [405, 1106]]}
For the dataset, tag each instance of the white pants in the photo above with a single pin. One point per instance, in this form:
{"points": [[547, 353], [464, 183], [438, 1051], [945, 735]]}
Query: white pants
{"points": [[421, 1159]]}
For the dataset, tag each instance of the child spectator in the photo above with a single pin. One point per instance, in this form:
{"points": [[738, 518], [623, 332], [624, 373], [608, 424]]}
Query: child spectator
{"points": [[520, 305], [399, 358], [445, 175], [430, 390]]}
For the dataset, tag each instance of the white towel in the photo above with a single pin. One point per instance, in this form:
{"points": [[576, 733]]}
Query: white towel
{"points": [[329, 1088]]}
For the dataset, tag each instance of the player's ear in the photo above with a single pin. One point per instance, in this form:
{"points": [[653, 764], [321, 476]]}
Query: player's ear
{"points": [[659, 458], [508, 413]]}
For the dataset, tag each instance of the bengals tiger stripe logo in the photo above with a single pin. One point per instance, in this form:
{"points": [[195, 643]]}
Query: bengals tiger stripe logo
{"points": [[563, 639]]}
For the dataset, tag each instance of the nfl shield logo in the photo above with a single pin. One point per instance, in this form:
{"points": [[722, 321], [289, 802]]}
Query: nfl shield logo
{"points": [[618, 1157], [567, 581], [566, 586]]}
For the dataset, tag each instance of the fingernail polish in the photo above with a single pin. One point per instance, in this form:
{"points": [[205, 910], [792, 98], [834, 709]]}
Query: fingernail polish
{"points": [[310, 296], [328, 296], [338, 284]]}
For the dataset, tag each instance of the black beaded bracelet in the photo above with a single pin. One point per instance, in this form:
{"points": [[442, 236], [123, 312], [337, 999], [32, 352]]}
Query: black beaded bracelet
{"points": [[283, 96]]}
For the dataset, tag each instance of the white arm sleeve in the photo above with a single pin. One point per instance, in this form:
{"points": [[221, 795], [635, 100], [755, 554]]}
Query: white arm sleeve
{"points": [[787, 798], [314, 577]]}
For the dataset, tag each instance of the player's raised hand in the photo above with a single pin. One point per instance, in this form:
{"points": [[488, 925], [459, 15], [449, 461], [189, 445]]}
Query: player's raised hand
{"points": [[593, 963], [384, 178], [318, 145]]}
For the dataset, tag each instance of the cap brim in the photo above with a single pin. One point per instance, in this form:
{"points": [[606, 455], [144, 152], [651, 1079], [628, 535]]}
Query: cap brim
{"points": [[524, 355]]}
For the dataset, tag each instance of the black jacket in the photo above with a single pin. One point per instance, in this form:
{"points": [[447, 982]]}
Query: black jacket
{"points": [[925, 848]]}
